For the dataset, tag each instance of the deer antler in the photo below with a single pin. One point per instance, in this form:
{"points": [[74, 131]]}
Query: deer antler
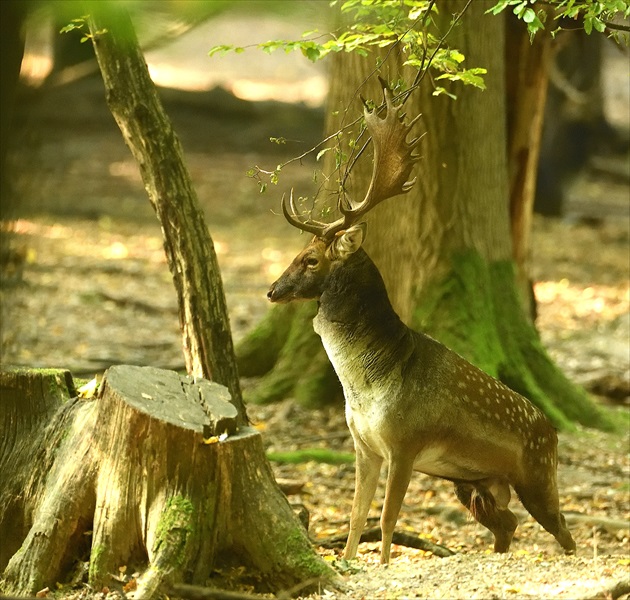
{"points": [[393, 162]]}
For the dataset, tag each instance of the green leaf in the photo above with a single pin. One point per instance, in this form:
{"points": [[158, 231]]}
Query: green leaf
{"points": [[588, 25], [457, 56], [528, 16], [498, 7], [440, 90], [518, 9], [222, 49], [69, 27], [322, 152], [313, 53]]}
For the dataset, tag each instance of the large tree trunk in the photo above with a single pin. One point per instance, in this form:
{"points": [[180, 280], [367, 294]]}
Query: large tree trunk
{"points": [[526, 77], [13, 14], [445, 250], [139, 476]]}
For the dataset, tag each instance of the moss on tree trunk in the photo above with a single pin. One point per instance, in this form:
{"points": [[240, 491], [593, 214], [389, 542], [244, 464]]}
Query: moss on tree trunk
{"points": [[297, 367]]}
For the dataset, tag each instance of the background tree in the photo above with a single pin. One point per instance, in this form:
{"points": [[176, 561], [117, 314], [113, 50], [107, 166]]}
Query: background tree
{"points": [[446, 250]]}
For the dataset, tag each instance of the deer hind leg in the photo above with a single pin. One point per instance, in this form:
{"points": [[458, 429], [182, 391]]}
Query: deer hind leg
{"points": [[487, 501], [541, 501]]}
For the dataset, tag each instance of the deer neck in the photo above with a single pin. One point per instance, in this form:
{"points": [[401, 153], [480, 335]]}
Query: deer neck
{"points": [[360, 330]]}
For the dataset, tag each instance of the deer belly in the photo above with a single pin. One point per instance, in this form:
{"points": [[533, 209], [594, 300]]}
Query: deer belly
{"points": [[436, 460]]}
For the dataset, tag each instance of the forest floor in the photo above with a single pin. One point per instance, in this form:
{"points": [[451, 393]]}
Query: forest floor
{"points": [[86, 286]]}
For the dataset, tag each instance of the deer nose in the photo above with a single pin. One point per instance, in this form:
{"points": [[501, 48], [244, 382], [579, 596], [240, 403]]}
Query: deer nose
{"points": [[270, 292]]}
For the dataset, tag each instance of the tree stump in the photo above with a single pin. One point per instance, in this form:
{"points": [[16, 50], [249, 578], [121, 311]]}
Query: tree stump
{"points": [[156, 469]]}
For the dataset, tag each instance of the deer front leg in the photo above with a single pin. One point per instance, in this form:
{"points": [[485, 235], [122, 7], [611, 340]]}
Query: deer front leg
{"points": [[399, 474], [368, 468]]}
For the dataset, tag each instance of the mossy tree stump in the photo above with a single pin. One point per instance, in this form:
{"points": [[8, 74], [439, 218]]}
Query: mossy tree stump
{"points": [[141, 467]]}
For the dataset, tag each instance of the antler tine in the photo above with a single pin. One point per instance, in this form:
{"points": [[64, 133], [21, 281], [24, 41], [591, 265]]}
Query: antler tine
{"points": [[292, 217], [294, 220], [393, 158]]}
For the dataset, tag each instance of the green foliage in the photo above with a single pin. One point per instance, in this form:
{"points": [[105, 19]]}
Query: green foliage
{"points": [[376, 27], [600, 16], [381, 24], [80, 24]]}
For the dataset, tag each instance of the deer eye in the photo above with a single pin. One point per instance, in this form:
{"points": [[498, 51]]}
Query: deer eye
{"points": [[312, 261]]}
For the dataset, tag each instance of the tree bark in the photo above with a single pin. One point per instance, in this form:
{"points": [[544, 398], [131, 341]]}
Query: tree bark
{"points": [[139, 469], [147, 130], [13, 14], [297, 367]]}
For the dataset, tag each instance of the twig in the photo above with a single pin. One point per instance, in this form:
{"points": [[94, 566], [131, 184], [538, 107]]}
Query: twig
{"points": [[401, 538]]}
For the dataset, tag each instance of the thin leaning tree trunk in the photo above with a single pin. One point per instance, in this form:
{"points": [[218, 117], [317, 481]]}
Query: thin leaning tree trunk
{"points": [[526, 76], [147, 130]]}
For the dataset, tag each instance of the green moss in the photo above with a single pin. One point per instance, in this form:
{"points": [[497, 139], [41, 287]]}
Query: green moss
{"points": [[257, 353], [177, 514], [174, 528], [457, 310], [95, 569], [320, 455], [528, 369], [302, 369], [319, 385], [299, 553]]}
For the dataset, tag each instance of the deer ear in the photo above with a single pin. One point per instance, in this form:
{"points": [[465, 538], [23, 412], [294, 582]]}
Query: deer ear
{"points": [[348, 241]]}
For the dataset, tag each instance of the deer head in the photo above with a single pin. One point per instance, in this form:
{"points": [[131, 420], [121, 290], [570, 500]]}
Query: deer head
{"points": [[334, 242]]}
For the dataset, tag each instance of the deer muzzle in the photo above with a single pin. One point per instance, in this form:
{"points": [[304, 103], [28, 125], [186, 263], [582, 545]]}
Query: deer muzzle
{"points": [[278, 292]]}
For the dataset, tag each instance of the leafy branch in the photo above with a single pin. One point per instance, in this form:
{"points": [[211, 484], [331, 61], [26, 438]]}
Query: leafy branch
{"points": [[602, 16], [386, 24], [408, 27], [81, 24]]}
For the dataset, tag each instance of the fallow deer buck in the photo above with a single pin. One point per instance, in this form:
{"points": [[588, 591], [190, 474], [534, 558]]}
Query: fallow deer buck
{"points": [[410, 400]]}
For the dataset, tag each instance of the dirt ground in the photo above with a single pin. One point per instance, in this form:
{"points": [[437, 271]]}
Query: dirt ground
{"points": [[87, 286]]}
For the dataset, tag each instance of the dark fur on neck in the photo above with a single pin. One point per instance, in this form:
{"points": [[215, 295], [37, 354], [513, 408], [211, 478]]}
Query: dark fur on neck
{"points": [[355, 293]]}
